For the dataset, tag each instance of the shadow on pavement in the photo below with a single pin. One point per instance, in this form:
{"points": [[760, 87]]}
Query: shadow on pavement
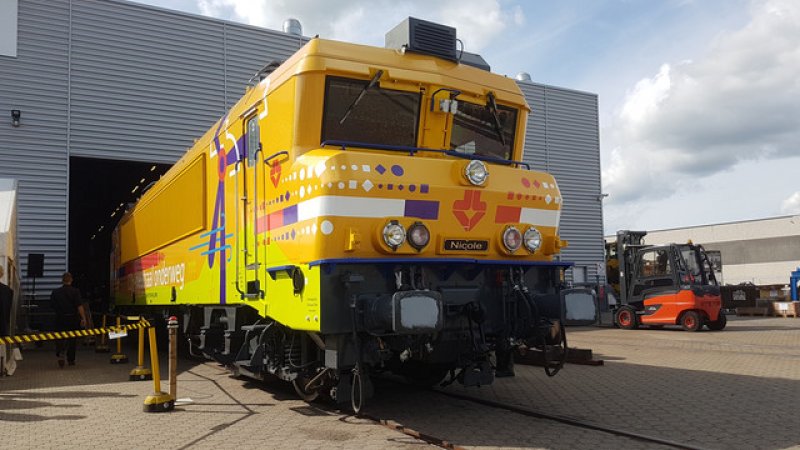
{"points": [[12, 417], [703, 409]]}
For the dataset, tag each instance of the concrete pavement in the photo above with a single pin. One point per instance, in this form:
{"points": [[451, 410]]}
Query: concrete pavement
{"points": [[739, 388]]}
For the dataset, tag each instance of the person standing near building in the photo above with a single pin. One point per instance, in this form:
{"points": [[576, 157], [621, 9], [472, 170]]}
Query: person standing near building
{"points": [[70, 316]]}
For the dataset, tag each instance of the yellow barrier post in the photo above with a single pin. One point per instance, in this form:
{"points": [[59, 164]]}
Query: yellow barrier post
{"points": [[102, 345], [119, 357], [140, 372], [157, 401], [172, 326]]}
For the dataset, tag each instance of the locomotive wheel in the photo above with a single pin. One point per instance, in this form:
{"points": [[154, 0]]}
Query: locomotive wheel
{"points": [[626, 318], [718, 324], [299, 384], [691, 321]]}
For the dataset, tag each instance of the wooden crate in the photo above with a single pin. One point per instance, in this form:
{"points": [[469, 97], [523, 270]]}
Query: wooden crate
{"points": [[786, 309]]}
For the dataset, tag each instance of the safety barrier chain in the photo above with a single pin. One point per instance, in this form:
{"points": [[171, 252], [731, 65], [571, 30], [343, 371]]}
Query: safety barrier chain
{"points": [[55, 335]]}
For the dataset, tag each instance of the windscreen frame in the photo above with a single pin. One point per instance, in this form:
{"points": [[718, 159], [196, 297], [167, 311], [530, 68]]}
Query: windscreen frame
{"points": [[325, 133]]}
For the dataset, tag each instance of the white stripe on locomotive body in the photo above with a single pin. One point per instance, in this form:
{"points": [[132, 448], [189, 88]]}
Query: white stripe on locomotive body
{"points": [[334, 205], [541, 217]]}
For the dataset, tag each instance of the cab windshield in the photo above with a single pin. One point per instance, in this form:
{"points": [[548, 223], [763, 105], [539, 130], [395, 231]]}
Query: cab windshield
{"points": [[361, 111], [484, 130]]}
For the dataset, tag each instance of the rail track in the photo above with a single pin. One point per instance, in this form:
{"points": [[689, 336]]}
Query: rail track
{"points": [[519, 410]]}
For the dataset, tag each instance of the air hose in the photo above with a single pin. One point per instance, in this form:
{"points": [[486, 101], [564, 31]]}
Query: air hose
{"points": [[528, 301], [357, 370]]}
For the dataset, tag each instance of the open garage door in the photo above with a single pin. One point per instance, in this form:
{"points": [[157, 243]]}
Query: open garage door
{"points": [[99, 192]]}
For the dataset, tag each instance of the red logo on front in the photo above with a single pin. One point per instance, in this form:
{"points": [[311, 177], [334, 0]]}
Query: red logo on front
{"points": [[275, 173], [470, 209]]}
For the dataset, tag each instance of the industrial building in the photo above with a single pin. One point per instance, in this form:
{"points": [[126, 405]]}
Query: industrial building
{"points": [[762, 252], [98, 98]]}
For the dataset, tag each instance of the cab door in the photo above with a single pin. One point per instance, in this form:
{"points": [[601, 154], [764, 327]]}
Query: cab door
{"points": [[250, 194], [653, 275]]}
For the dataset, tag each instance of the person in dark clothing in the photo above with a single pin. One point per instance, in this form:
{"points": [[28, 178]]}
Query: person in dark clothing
{"points": [[6, 297], [70, 316]]}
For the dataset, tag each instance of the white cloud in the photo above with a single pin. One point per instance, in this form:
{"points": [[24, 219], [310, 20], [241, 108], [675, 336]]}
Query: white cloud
{"points": [[792, 204], [366, 21], [739, 102]]}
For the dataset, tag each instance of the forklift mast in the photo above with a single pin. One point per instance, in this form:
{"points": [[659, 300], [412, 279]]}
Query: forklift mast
{"points": [[628, 242]]}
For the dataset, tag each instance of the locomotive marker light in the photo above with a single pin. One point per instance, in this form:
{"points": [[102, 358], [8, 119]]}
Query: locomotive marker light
{"points": [[394, 234], [532, 239], [418, 235], [476, 172], [512, 239]]}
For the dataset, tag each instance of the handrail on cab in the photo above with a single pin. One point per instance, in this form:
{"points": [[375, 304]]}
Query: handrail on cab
{"points": [[275, 155], [413, 150]]}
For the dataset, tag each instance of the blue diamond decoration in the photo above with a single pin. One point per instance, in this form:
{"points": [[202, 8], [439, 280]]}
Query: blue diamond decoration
{"points": [[380, 169]]}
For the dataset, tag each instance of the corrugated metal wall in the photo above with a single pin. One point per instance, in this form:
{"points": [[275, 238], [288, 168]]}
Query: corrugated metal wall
{"points": [[112, 80], [562, 138], [35, 82], [146, 82]]}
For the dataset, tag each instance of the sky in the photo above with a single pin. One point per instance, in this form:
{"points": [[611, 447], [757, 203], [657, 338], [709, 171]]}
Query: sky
{"points": [[699, 100]]}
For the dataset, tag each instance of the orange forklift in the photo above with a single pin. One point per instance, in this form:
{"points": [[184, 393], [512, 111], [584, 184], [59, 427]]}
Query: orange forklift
{"points": [[657, 285]]}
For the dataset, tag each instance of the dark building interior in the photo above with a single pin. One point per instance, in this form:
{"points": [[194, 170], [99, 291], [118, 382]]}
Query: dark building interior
{"points": [[99, 192]]}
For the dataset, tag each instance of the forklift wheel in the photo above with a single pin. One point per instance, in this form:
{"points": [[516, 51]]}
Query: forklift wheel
{"points": [[692, 321], [626, 318]]}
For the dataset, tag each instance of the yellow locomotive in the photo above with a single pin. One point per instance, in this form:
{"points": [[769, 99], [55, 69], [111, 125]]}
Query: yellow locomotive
{"points": [[360, 209]]}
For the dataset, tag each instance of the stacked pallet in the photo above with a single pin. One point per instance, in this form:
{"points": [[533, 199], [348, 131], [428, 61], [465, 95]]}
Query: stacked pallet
{"points": [[786, 309]]}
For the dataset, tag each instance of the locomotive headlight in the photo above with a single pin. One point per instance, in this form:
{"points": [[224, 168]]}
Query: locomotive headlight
{"points": [[512, 239], [394, 234], [418, 235], [532, 239], [476, 172]]}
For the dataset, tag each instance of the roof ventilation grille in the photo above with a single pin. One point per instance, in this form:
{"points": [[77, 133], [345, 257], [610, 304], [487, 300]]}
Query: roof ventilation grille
{"points": [[421, 36]]}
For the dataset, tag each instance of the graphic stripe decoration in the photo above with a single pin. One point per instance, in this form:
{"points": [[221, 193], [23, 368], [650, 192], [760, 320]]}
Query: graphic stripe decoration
{"points": [[344, 206], [517, 214], [56, 335]]}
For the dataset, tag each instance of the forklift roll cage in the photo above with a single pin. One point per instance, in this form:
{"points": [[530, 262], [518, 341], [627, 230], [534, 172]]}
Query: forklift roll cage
{"points": [[647, 270]]}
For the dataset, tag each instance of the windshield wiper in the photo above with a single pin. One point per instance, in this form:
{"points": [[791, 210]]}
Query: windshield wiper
{"points": [[492, 105], [369, 86]]}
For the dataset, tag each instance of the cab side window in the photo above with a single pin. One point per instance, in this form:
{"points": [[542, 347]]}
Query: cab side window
{"points": [[655, 264], [653, 270], [253, 139]]}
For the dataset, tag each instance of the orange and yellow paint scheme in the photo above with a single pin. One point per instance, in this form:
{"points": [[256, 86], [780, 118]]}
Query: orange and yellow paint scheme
{"points": [[270, 212], [194, 238]]}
